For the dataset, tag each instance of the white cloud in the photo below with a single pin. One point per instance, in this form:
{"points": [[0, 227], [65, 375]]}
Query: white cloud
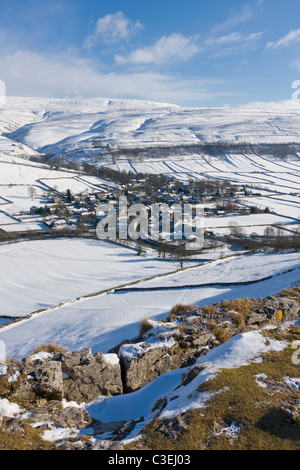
{"points": [[234, 38], [245, 14], [293, 37], [30, 74], [165, 50], [233, 43], [113, 28]]}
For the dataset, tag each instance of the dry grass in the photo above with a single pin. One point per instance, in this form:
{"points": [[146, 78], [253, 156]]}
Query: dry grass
{"points": [[293, 293], [239, 310], [180, 309], [50, 348], [220, 333], [28, 439], [145, 326], [209, 310]]}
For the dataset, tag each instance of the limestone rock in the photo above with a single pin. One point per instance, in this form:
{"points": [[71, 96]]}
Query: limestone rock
{"points": [[148, 364], [87, 376], [49, 380]]}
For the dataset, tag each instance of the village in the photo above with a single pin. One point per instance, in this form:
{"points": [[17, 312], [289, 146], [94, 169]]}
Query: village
{"points": [[64, 203], [77, 211]]}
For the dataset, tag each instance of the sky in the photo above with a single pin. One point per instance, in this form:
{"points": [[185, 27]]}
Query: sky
{"points": [[194, 53]]}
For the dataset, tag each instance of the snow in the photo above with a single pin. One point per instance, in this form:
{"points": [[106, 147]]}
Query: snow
{"points": [[234, 269], [9, 409], [233, 431], [111, 359], [3, 369], [292, 382], [133, 350], [43, 273], [102, 321], [69, 123], [14, 377], [57, 434], [41, 355]]}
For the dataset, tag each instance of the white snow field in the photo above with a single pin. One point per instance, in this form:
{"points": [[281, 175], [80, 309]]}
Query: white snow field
{"points": [[43, 273], [17, 178], [103, 321], [234, 269]]}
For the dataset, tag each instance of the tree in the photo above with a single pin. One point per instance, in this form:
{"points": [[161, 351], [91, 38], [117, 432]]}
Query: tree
{"points": [[69, 196], [269, 232], [32, 192]]}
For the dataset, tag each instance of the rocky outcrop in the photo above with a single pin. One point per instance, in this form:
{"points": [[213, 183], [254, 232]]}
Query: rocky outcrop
{"points": [[87, 376], [79, 376], [174, 344], [147, 363], [46, 383]]}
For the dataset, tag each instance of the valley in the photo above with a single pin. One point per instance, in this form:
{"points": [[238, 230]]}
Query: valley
{"points": [[60, 284]]}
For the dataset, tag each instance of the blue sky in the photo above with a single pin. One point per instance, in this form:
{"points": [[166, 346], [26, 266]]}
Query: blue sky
{"points": [[192, 53]]}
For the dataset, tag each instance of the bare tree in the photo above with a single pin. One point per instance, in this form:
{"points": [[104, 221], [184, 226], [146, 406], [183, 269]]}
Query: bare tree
{"points": [[32, 192]]}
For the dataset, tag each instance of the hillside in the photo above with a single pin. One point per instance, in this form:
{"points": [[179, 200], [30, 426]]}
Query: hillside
{"points": [[222, 375], [131, 123]]}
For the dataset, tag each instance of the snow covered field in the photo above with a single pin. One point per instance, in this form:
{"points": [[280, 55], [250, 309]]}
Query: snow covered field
{"points": [[102, 321], [235, 269], [18, 178], [39, 274]]}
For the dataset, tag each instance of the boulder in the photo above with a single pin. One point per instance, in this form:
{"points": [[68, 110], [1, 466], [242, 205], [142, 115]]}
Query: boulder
{"points": [[276, 310], [142, 365], [87, 376], [49, 380], [72, 417]]}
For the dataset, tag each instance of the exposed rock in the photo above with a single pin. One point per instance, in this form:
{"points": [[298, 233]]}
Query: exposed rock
{"points": [[87, 376], [291, 409], [102, 428], [15, 425], [79, 377], [170, 428], [143, 359], [72, 417], [273, 387], [49, 380], [275, 310], [143, 365]]}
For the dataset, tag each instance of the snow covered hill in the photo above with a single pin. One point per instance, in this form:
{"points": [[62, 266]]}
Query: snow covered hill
{"points": [[61, 126]]}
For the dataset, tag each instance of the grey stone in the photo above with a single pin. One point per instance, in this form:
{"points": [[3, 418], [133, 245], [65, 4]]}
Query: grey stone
{"points": [[49, 380]]}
